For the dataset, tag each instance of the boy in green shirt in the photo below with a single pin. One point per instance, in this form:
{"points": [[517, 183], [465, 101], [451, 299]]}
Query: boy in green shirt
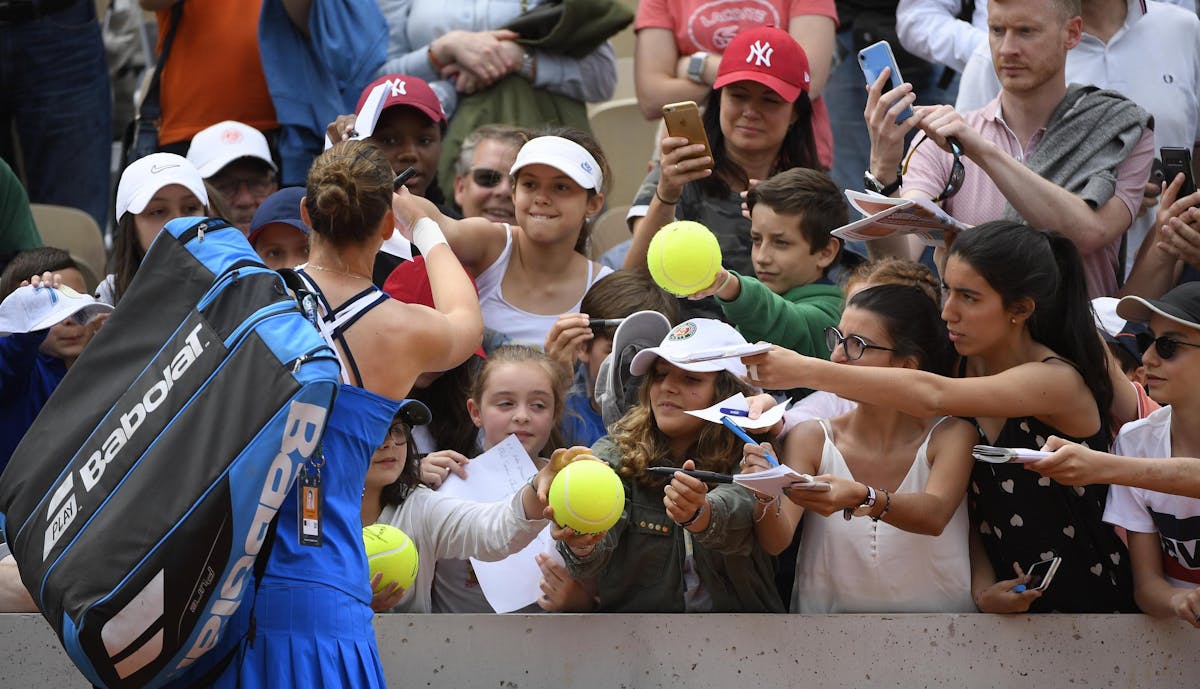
{"points": [[791, 300]]}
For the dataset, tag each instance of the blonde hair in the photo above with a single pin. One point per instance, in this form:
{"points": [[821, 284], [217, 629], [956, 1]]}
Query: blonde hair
{"points": [[349, 190], [642, 444], [560, 383]]}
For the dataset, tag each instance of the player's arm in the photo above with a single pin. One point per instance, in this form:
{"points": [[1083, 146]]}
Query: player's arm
{"points": [[14, 597]]}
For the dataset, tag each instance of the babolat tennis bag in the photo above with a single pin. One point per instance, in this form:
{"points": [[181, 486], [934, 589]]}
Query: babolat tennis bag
{"points": [[138, 502]]}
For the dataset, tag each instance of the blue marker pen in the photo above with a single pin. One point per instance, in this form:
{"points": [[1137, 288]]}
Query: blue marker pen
{"points": [[737, 430], [1019, 588], [735, 412]]}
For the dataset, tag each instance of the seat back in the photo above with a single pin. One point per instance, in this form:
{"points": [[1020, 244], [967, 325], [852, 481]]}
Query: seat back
{"points": [[78, 234]]}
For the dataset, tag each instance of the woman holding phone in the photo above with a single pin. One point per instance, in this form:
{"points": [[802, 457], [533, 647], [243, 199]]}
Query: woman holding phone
{"points": [[680, 44], [758, 123], [1030, 366]]}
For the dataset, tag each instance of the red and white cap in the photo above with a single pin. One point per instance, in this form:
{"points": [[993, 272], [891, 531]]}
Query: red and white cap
{"points": [[392, 90], [145, 176], [224, 142], [769, 56]]}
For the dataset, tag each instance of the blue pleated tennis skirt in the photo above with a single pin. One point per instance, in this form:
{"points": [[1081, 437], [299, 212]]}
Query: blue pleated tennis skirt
{"points": [[307, 635]]}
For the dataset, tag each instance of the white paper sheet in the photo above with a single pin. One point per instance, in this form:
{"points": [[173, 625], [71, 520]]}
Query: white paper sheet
{"points": [[767, 419], [514, 582], [774, 480], [397, 245], [1001, 455]]}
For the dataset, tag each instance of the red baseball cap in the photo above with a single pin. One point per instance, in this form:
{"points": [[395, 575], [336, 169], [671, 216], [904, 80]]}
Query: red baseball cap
{"points": [[396, 89], [409, 283], [768, 55]]}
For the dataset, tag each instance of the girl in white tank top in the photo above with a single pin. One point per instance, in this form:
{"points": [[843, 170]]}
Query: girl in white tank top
{"points": [[890, 534]]}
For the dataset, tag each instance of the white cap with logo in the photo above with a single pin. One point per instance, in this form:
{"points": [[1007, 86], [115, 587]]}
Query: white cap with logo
{"points": [[563, 155], [145, 176], [689, 337], [30, 309], [224, 142]]}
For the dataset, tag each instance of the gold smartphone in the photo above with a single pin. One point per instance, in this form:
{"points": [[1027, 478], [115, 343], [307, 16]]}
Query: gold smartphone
{"points": [[683, 119]]}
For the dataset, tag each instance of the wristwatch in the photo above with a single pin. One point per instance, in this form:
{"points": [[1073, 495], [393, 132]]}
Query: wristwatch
{"points": [[528, 68], [864, 508], [695, 69], [872, 183]]}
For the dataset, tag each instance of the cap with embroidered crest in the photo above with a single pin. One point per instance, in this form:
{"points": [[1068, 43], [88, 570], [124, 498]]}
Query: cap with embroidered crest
{"points": [[689, 337], [563, 155], [224, 142], [767, 55], [392, 90]]}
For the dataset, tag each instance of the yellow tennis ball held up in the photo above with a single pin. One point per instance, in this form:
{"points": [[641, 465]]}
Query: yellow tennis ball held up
{"points": [[391, 552], [684, 257], [587, 496]]}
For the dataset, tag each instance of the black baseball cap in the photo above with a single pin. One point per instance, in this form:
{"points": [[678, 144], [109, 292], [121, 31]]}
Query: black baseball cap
{"points": [[1181, 305]]}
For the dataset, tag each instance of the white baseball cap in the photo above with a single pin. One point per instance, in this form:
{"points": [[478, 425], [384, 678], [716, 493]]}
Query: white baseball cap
{"points": [[564, 155], [30, 309], [145, 176], [219, 145], [689, 337]]}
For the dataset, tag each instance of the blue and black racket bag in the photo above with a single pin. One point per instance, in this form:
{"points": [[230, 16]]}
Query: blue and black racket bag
{"points": [[137, 504]]}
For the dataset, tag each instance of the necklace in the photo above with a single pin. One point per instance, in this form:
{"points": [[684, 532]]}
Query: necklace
{"points": [[339, 272]]}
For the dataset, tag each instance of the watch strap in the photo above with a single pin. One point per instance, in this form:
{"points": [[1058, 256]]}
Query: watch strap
{"points": [[872, 183]]}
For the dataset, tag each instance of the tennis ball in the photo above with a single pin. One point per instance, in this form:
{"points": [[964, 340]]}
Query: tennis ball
{"points": [[392, 552], [684, 257], [587, 496]]}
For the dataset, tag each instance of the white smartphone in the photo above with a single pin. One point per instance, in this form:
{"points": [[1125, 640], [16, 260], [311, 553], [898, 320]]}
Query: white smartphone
{"points": [[1041, 573], [873, 59]]}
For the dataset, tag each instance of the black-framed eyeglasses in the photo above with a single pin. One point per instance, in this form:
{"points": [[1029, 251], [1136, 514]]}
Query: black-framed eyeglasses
{"points": [[957, 171], [486, 177], [397, 434], [1167, 347], [854, 345], [258, 186]]}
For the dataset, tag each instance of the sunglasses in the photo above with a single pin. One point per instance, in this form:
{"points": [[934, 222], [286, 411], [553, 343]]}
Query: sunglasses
{"points": [[486, 177], [1167, 347], [957, 171], [854, 345]]}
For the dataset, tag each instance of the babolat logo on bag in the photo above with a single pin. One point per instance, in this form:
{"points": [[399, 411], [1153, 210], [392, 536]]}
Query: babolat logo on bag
{"points": [[139, 505], [139, 416]]}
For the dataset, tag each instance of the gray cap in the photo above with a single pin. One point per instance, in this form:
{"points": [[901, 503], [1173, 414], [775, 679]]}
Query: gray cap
{"points": [[616, 387]]}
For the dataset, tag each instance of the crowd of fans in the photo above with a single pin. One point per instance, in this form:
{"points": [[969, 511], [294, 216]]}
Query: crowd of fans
{"points": [[1064, 319]]}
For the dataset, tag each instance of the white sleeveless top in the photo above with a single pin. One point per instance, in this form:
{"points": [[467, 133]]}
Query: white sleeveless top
{"points": [[520, 326], [866, 566]]}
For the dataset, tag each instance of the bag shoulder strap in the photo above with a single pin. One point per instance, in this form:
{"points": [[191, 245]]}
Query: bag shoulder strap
{"points": [[151, 108]]}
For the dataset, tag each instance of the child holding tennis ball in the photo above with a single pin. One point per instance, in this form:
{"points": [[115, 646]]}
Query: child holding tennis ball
{"points": [[790, 300], [440, 526], [519, 391], [679, 546], [530, 273]]}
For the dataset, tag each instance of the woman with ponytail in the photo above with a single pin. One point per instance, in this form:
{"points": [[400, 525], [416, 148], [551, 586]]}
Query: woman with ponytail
{"points": [[1030, 366]]}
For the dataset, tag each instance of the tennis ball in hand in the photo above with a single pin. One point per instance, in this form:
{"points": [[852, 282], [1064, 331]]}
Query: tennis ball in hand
{"points": [[684, 257], [587, 496], [390, 551]]}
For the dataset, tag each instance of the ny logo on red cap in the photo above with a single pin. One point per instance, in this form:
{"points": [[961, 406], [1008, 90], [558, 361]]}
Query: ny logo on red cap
{"points": [[397, 87], [760, 53]]}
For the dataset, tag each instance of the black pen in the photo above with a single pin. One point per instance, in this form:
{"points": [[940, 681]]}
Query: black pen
{"points": [[403, 177], [706, 476]]}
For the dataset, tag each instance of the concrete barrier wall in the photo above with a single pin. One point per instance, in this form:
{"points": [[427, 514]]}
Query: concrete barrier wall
{"points": [[733, 651]]}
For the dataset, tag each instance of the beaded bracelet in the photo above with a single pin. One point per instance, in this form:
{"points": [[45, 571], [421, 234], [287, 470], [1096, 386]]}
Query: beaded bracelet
{"points": [[887, 504]]}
